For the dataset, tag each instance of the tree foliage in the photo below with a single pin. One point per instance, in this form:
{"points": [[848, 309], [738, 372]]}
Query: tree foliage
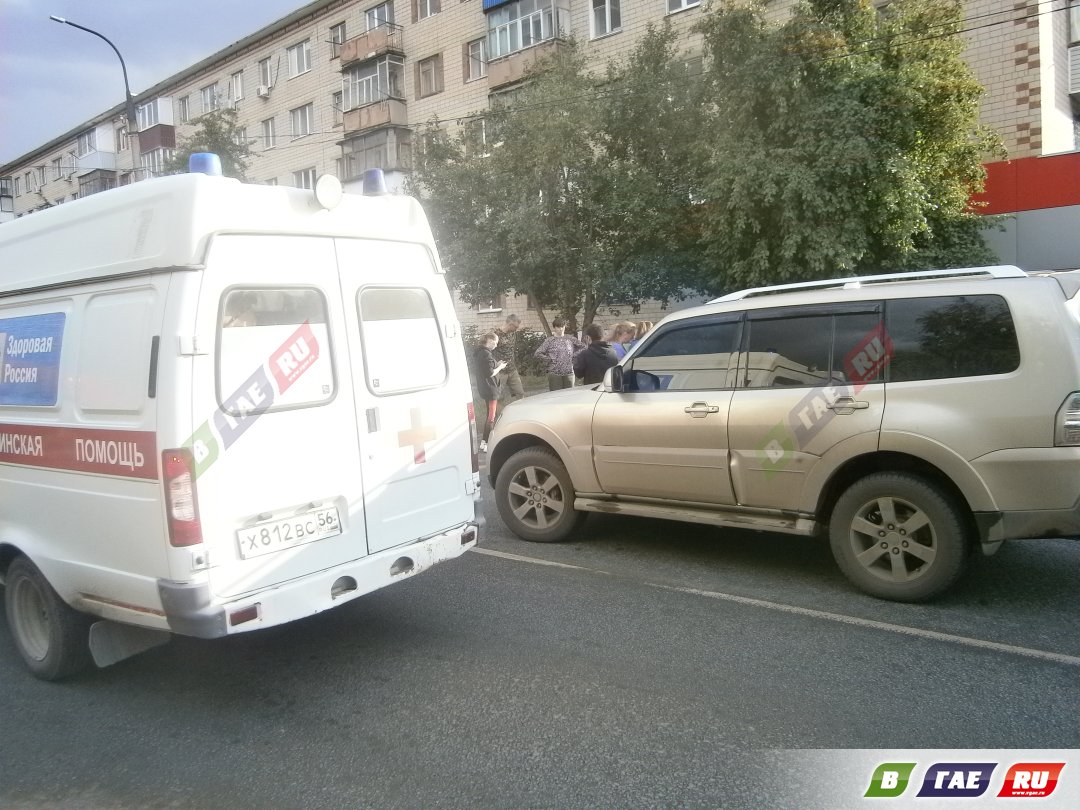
{"points": [[842, 140], [573, 190], [219, 133]]}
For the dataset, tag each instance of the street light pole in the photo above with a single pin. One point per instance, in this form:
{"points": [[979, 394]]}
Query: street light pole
{"points": [[132, 117]]}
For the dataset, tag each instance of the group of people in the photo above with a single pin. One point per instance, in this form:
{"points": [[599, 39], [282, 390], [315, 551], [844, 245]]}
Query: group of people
{"points": [[567, 357]]}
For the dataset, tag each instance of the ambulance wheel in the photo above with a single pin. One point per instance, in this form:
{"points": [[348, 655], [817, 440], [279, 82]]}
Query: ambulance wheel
{"points": [[536, 497], [52, 638], [898, 537]]}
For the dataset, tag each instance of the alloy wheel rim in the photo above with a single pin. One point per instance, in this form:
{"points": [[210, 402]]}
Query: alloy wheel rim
{"points": [[893, 539], [536, 497]]}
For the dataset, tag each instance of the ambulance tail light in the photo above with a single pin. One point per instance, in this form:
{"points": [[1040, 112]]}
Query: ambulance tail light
{"points": [[473, 443], [1067, 429], [181, 499]]}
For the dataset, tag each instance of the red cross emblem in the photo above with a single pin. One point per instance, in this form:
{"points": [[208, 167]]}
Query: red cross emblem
{"points": [[417, 436]]}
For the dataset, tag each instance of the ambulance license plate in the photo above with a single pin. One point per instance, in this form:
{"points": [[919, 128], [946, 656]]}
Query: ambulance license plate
{"points": [[275, 535]]}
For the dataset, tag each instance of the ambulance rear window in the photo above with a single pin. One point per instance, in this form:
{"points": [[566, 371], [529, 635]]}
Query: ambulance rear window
{"points": [[403, 348], [273, 341]]}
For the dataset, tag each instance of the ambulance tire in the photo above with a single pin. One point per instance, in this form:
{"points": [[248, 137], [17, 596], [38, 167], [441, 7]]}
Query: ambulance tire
{"points": [[52, 638], [535, 496]]}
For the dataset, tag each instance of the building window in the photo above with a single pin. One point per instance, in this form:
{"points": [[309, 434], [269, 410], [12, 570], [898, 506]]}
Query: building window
{"points": [[87, 142], [302, 119], [123, 140], [429, 76], [606, 17], [495, 304], [679, 5], [335, 106], [476, 137], [183, 110], [339, 168], [269, 137], [40, 171], [300, 58], [209, 96], [271, 182], [337, 39], [155, 160], [146, 115], [236, 85], [522, 24], [57, 168], [18, 187], [264, 72], [239, 136], [423, 9], [373, 81], [28, 178], [475, 60], [382, 14], [304, 178], [1074, 21]]}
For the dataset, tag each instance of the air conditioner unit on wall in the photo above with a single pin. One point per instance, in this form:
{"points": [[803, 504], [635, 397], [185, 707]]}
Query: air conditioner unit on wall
{"points": [[263, 91], [1074, 70]]}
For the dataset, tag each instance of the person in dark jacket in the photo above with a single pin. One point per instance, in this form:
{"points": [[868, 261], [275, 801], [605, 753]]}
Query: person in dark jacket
{"points": [[596, 358], [486, 373]]}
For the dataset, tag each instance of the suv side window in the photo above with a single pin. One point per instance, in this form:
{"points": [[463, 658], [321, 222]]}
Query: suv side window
{"points": [[812, 346], [951, 336], [691, 355]]}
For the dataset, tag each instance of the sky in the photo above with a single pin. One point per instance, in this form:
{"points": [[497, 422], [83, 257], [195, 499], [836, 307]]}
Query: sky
{"points": [[53, 77]]}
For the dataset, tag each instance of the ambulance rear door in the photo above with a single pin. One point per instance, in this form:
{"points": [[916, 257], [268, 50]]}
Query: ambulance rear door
{"points": [[412, 391], [279, 482]]}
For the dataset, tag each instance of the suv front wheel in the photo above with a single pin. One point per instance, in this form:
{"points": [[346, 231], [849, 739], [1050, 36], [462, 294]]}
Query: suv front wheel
{"points": [[899, 537], [536, 497]]}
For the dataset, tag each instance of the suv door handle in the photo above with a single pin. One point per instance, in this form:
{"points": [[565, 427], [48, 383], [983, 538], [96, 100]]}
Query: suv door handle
{"points": [[845, 405], [699, 410]]}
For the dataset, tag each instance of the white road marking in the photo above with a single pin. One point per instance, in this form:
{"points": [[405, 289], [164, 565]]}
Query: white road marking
{"points": [[839, 618]]}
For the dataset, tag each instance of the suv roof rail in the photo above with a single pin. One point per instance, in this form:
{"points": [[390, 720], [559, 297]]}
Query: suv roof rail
{"points": [[853, 282]]}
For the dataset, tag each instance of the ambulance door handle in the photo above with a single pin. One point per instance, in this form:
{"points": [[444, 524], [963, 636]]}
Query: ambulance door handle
{"points": [[372, 420]]}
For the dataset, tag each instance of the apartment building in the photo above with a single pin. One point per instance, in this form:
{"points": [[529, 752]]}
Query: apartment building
{"points": [[339, 86]]}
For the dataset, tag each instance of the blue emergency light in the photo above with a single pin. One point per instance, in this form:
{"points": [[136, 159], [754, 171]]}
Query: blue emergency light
{"points": [[204, 163], [374, 182]]}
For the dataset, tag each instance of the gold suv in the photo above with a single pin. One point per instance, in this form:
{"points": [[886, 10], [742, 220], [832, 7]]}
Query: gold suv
{"points": [[910, 416]]}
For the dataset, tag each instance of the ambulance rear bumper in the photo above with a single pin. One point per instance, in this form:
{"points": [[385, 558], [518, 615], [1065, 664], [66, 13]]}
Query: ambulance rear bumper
{"points": [[192, 609]]}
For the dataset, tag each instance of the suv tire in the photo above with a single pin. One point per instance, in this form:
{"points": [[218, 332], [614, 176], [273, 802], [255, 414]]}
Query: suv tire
{"points": [[897, 536], [51, 637], [536, 497]]}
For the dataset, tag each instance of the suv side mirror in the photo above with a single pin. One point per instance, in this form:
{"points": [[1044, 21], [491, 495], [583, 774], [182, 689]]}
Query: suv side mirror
{"points": [[613, 380]]}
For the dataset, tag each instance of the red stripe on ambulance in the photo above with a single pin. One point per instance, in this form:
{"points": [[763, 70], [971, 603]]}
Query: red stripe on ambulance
{"points": [[127, 453]]}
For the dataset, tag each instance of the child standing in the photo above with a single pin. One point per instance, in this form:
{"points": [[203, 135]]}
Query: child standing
{"points": [[485, 371]]}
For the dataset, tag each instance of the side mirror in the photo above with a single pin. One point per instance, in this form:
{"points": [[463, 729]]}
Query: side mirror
{"points": [[613, 380]]}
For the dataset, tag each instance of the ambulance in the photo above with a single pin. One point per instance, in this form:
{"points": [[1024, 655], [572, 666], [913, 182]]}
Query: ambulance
{"points": [[223, 407]]}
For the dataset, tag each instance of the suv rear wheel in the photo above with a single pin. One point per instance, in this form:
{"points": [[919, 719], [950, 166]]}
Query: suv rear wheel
{"points": [[899, 537], [536, 497]]}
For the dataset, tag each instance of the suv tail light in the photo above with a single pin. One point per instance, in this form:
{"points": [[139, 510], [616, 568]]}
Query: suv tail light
{"points": [[473, 443], [1067, 426], [181, 498]]}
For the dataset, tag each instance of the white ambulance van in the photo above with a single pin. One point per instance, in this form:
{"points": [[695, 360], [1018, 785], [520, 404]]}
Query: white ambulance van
{"points": [[222, 407]]}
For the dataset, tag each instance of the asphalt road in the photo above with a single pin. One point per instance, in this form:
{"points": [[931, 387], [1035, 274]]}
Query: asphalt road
{"points": [[644, 664]]}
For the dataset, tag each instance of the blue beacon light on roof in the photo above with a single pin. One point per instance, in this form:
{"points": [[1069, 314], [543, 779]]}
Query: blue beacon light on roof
{"points": [[204, 163]]}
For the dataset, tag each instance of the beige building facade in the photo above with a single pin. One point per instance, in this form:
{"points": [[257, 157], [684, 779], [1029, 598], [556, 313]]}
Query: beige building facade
{"points": [[340, 86]]}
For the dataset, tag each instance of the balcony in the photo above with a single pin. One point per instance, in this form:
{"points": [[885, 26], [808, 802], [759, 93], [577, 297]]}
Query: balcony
{"points": [[157, 137], [95, 182], [94, 161], [376, 42], [511, 68], [386, 113]]}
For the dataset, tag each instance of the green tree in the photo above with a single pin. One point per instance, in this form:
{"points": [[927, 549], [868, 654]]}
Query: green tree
{"points": [[844, 139], [216, 132], [573, 189]]}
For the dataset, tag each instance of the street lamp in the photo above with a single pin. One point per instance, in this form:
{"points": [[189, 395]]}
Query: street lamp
{"points": [[133, 121]]}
